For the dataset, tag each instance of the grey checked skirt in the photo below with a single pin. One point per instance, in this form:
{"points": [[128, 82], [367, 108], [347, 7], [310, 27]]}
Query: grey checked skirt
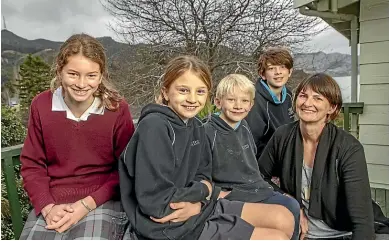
{"points": [[108, 221]]}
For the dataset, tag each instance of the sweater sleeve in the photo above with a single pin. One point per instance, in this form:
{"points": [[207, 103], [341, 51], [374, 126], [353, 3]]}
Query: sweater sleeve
{"points": [[358, 197], [34, 163], [257, 126], [268, 162], [123, 131], [154, 171]]}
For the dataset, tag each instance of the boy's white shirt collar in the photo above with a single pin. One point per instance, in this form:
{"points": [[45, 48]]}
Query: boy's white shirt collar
{"points": [[58, 104]]}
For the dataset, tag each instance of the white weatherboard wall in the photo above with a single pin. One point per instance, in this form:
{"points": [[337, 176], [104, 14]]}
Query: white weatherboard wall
{"points": [[374, 88]]}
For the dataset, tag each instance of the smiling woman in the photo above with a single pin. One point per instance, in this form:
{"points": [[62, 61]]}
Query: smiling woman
{"points": [[317, 99], [321, 165], [76, 134]]}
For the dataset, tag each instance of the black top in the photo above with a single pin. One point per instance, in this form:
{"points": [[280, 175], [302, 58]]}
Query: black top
{"points": [[340, 191], [164, 162], [266, 115], [234, 166]]}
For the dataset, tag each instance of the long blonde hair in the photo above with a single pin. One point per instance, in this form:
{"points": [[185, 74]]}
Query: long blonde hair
{"points": [[92, 49]]}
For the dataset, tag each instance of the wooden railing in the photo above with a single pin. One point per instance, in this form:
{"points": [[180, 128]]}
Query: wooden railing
{"points": [[10, 159], [351, 110]]}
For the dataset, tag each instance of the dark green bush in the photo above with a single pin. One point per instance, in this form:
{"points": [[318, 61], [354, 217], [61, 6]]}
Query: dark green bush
{"points": [[13, 132]]}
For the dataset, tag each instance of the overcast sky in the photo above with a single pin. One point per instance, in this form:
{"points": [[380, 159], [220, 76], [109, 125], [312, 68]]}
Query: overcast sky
{"points": [[58, 19]]}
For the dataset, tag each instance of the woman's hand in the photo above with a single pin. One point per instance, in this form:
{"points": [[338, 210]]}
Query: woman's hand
{"points": [[71, 218], [53, 213], [303, 224], [184, 210]]}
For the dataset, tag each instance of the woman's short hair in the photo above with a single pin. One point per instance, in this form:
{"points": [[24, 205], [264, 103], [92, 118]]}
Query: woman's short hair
{"points": [[324, 85], [228, 84]]}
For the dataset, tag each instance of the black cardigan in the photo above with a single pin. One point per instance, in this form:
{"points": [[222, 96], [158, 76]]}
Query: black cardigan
{"points": [[340, 191]]}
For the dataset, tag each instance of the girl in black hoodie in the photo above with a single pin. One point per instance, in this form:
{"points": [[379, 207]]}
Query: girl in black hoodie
{"points": [[165, 171]]}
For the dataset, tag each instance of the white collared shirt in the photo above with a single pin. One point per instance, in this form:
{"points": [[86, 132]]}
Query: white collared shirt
{"points": [[58, 104]]}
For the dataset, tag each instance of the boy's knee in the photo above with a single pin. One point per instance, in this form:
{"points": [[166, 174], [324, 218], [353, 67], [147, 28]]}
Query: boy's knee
{"points": [[285, 216], [285, 220]]}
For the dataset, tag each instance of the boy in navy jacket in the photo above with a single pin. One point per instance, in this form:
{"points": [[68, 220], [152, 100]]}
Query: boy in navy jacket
{"points": [[273, 101], [234, 164]]}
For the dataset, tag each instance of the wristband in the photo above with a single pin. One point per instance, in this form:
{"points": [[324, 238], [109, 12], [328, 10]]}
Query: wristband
{"points": [[85, 205]]}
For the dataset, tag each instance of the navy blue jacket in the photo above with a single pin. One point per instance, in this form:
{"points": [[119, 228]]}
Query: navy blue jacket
{"points": [[164, 162], [268, 114]]}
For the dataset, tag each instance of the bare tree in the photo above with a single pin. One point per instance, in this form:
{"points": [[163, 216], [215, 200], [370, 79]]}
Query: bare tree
{"points": [[228, 34]]}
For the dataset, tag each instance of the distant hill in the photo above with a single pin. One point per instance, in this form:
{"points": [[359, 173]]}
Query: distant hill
{"points": [[130, 61], [11, 41], [14, 48], [335, 64]]}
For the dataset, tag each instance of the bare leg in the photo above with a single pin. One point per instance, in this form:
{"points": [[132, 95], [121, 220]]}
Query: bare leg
{"points": [[269, 216], [268, 234]]}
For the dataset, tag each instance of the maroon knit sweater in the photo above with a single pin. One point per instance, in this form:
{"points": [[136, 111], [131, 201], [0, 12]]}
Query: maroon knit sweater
{"points": [[64, 161]]}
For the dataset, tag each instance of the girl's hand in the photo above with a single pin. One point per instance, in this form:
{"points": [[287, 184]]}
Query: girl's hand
{"points": [[303, 224], [184, 210], [69, 219], [53, 213]]}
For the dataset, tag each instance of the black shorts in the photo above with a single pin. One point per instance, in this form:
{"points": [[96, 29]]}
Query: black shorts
{"points": [[226, 222]]}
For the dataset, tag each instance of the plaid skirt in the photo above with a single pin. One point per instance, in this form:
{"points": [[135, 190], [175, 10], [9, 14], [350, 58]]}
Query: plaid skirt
{"points": [[108, 221]]}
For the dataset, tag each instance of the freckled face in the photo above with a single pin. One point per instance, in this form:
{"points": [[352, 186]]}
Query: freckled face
{"points": [[187, 95], [234, 106], [80, 78], [276, 76]]}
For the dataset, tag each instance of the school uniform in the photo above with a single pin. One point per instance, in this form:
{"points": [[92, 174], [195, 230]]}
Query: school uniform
{"points": [[65, 159], [338, 193], [165, 162], [235, 167], [268, 113]]}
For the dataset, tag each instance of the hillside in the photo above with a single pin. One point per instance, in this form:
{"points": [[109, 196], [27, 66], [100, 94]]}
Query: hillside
{"points": [[335, 64], [128, 62]]}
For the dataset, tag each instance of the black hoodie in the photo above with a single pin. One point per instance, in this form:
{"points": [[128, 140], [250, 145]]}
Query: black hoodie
{"points": [[234, 166], [164, 162], [266, 115]]}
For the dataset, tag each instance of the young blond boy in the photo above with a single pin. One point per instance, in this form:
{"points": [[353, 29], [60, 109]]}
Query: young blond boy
{"points": [[234, 164]]}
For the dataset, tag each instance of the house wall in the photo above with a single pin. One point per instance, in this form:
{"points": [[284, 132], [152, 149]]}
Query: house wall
{"points": [[374, 88]]}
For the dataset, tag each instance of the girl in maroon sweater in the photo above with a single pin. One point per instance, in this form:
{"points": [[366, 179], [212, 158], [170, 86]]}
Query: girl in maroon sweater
{"points": [[76, 133]]}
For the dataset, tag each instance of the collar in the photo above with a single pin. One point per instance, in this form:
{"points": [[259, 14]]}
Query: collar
{"points": [[275, 98], [237, 124], [58, 104]]}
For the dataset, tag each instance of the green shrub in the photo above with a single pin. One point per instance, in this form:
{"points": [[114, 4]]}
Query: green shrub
{"points": [[207, 110], [12, 133]]}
